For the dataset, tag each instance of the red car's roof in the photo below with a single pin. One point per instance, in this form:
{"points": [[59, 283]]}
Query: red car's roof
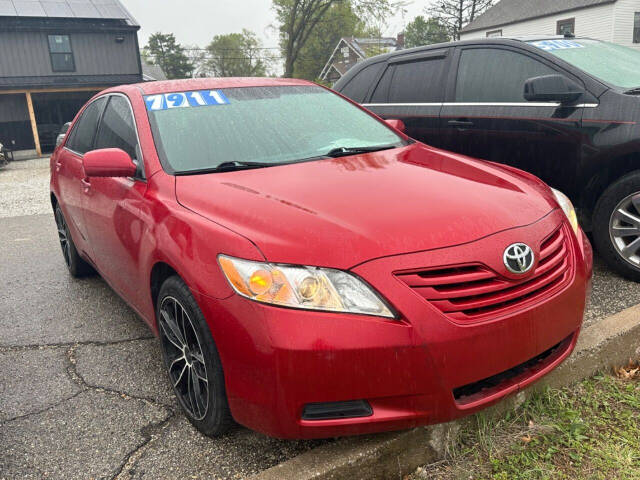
{"points": [[166, 86]]}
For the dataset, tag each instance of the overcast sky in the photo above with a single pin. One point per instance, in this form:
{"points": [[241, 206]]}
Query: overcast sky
{"points": [[197, 21]]}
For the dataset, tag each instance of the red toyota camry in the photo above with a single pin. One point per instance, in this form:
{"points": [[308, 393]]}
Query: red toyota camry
{"points": [[310, 270]]}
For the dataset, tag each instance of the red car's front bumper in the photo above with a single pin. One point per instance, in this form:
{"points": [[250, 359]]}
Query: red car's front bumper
{"points": [[425, 367]]}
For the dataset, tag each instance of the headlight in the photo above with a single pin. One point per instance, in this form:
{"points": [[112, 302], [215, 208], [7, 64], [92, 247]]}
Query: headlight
{"points": [[305, 287], [567, 206]]}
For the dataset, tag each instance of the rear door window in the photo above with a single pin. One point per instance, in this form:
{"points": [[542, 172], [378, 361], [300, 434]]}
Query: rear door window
{"points": [[359, 85], [495, 75], [83, 134], [418, 81], [381, 93]]}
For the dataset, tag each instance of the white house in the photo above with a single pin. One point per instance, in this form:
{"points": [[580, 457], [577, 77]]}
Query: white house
{"points": [[615, 21]]}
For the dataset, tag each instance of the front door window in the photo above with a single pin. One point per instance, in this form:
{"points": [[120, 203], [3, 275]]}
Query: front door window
{"points": [[493, 75]]}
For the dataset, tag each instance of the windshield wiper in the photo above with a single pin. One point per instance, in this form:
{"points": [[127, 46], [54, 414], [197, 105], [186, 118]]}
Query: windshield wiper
{"points": [[229, 167], [237, 165], [345, 151], [633, 91], [234, 165]]}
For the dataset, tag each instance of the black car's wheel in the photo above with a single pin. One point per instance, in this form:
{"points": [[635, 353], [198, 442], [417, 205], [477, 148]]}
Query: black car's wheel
{"points": [[77, 266], [191, 359], [616, 222]]}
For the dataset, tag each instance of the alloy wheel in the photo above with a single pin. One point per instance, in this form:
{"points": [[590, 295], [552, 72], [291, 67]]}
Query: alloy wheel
{"points": [[624, 229], [184, 357], [63, 236]]}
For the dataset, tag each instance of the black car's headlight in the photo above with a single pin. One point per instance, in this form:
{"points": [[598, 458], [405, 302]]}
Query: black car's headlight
{"points": [[567, 207]]}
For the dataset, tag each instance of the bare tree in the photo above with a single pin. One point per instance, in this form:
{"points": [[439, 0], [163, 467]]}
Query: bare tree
{"points": [[455, 14]]}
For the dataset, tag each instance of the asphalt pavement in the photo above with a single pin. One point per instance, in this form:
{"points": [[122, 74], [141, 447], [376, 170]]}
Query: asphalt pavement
{"points": [[82, 389]]}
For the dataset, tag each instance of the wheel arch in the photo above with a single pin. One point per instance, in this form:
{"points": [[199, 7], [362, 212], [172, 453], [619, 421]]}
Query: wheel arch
{"points": [[160, 272], [617, 168]]}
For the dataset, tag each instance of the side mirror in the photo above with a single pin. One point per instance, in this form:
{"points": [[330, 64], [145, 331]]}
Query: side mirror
{"points": [[552, 88], [397, 124], [108, 162]]}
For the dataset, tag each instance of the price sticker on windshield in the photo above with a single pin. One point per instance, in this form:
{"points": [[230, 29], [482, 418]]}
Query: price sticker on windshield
{"points": [[549, 45], [200, 98]]}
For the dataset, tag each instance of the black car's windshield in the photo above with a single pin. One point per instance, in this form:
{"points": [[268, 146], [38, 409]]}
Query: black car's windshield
{"points": [[614, 64], [259, 126]]}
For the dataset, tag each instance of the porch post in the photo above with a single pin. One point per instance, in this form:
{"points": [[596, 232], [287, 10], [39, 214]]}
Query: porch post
{"points": [[34, 126]]}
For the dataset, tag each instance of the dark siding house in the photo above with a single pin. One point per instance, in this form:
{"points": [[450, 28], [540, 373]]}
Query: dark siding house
{"points": [[55, 55]]}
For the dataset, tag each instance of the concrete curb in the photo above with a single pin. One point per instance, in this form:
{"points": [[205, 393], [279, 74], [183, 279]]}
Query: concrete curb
{"points": [[611, 341]]}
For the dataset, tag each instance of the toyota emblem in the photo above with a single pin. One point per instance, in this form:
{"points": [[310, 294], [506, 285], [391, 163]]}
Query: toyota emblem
{"points": [[518, 258]]}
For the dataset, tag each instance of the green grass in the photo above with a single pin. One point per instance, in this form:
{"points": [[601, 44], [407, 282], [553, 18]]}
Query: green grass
{"points": [[587, 431]]}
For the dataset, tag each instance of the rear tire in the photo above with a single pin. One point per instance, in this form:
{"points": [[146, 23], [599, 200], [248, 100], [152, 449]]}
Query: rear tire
{"points": [[76, 265], [616, 226], [191, 359]]}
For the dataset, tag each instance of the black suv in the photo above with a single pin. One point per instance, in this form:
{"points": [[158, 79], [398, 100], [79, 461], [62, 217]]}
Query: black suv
{"points": [[565, 109]]}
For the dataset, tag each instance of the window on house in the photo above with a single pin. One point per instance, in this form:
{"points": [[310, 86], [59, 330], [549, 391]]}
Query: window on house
{"points": [[494, 33], [61, 54], [636, 27], [567, 26]]}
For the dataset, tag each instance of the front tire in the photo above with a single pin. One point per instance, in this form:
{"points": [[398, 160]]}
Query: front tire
{"points": [[191, 359], [616, 222], [76, 265]]}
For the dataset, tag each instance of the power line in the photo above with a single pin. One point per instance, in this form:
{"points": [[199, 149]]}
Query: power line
{"points": [[198, 49], [248, 57]]}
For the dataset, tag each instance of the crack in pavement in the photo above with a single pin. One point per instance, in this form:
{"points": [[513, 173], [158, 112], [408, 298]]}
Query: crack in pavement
{"points": [[19, 348], [79, 380], [151, 433], [42, 410], [75, 377]]}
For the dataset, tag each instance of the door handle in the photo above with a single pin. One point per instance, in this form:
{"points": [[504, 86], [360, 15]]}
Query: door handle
{"points": [[86, 184], [462, 123], [58, 165]]}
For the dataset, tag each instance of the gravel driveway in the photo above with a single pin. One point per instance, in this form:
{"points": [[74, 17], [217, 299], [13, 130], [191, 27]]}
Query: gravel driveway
{"points": [[24, 188], [82, 391]]}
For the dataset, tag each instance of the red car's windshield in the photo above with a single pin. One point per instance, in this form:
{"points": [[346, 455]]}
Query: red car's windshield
{"points": [[198, 131]]}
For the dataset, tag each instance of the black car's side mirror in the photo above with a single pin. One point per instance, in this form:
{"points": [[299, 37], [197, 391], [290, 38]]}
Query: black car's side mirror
{"points": [[552, 88]]}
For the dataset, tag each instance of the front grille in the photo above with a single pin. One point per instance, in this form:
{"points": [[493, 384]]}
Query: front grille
{"points": [[473, 291]]}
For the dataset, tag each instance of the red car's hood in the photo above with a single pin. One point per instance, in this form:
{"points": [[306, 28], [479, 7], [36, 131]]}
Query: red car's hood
{"points": [[344, 211]]}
